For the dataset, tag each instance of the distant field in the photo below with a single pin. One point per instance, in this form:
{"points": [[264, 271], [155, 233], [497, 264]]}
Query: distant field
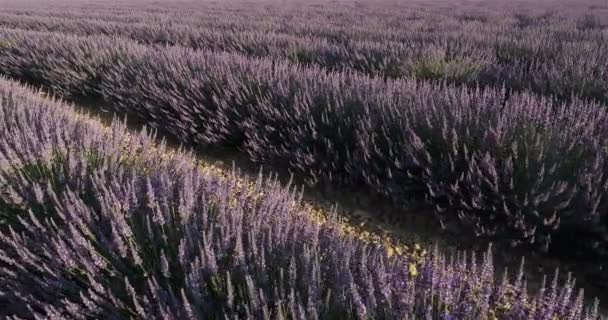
{"points": [[486, 118]]}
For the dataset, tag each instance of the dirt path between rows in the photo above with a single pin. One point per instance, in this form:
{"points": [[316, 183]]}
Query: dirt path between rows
{"points": [[375, 215]]}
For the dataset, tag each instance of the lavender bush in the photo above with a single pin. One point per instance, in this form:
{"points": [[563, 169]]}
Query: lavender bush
{"points": [[99, 223]]}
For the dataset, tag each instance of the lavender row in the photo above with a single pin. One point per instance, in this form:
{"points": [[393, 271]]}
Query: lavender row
{"points": [[98, 223], [515, 168], [541, 60], [384, 20], [381, 22], [420, 58]]}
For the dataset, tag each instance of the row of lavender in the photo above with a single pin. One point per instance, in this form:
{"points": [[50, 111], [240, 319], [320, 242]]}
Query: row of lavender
{"points": [[342, 20], [97, 223], [540, 54], [521, 169]]}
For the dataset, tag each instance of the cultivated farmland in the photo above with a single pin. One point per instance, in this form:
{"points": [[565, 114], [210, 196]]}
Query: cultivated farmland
{"points": [[276, 159]]}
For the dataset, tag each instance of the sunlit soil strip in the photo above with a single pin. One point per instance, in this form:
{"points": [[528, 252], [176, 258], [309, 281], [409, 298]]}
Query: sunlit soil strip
{"points": [[322, 215]]}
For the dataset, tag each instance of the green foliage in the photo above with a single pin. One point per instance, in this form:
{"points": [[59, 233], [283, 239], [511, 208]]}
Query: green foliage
{"points": [[395, 69], [300, 55], [589, 22], [439, 68], [474, 17], [41, 173], [6, 44], [509, 54]]}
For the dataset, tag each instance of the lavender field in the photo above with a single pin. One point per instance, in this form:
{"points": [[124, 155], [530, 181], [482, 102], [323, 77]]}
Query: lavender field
{"points": [[486, 119]]}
